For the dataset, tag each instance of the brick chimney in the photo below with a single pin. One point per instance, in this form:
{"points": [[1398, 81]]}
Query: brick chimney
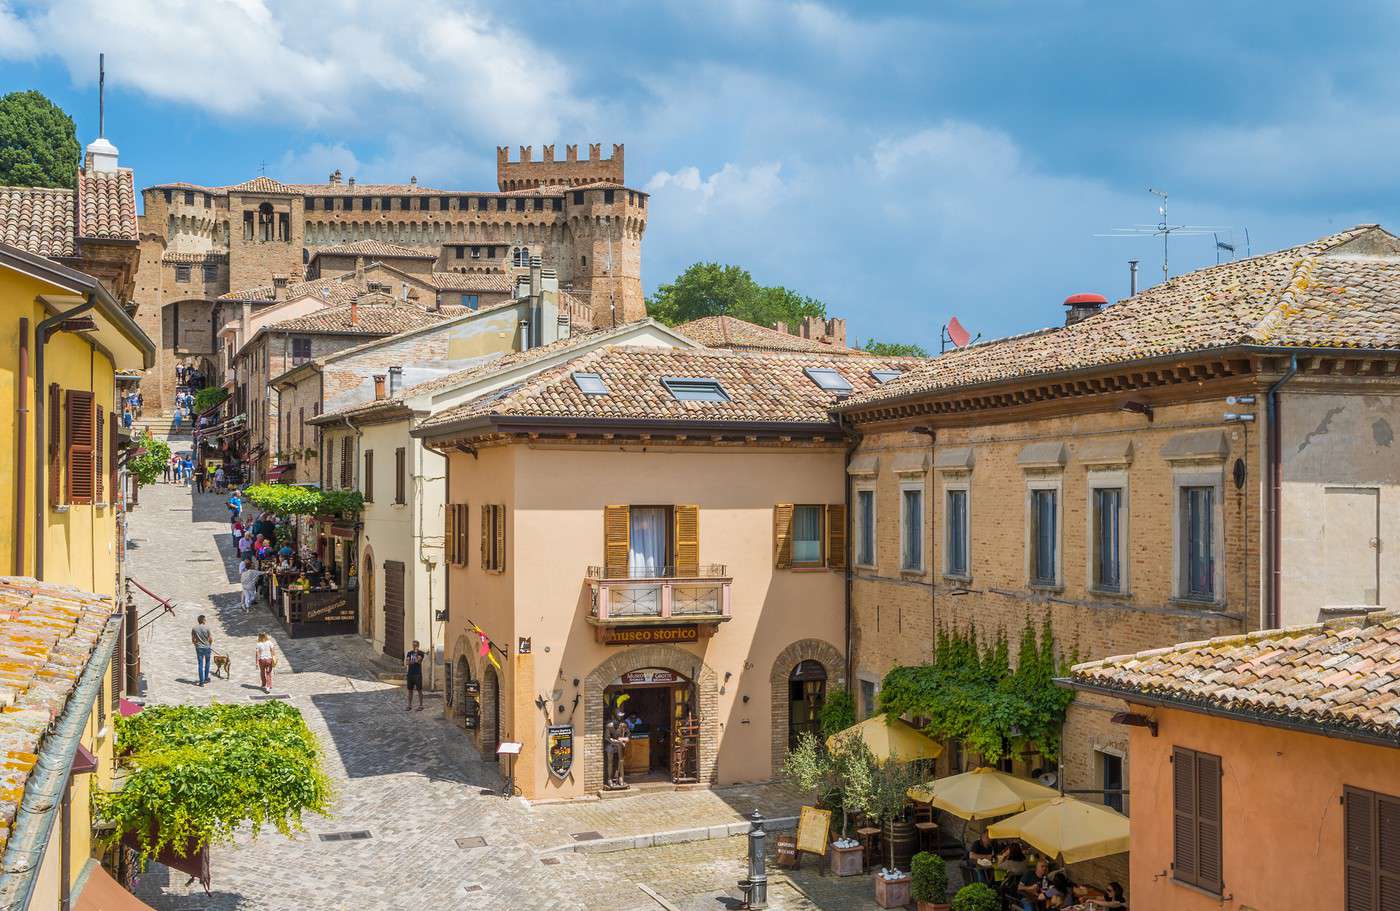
{"points": [[279, 287], [413, 181], [1082, 306], [355, 311], [378, 386]]}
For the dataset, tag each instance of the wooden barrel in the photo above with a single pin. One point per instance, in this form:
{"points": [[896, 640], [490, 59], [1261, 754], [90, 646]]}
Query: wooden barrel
{"points": [[903, 838]]}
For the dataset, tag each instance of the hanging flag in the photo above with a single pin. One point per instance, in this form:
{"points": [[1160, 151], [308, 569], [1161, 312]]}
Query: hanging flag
{"points": [[958, 334], [491, 656]]}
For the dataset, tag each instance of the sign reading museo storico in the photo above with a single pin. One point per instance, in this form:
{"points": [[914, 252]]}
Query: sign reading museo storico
{"points": [[646, 634]]}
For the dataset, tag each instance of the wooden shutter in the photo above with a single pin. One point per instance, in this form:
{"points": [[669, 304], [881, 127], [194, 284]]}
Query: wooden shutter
{"points": [[55, 462], [113, 450], [687, 537], [782, 535], [485, 537], [117, 665], [346, 468], [79, 440], [400, 468], [369, 476], [1360, 849], [449, 535], [1184, 815], [498, 520], [617, 529], [99, 446], [1388, 852], [462, 513], [1208, 849], [836, 536], [301, 427]]}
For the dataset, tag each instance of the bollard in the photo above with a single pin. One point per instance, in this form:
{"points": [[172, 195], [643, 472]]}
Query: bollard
{"points": [[758, 878]]}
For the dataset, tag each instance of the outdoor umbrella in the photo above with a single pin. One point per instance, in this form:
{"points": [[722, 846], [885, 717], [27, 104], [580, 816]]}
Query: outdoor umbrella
{"points": [[982, 794], [1069, 829], [889, 737]]}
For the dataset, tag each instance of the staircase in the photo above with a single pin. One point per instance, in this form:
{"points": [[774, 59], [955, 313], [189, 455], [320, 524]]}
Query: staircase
{"points": [[162, 426]]}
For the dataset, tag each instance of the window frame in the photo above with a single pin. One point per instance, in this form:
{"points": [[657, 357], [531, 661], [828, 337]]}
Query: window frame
{"points": [[821, 536], [581, 377], [1036, 484], [1109, 479], [1182, 480], [908, 486], [689, 384], [829, 379], [861, 490], [961, 484]]}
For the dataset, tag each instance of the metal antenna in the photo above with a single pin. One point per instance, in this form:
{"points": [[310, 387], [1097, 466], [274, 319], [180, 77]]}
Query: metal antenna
{"points": [[101, 95], [1163, 229]]}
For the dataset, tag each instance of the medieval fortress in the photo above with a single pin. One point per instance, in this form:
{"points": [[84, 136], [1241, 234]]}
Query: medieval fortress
{"points": [[199, 244]]}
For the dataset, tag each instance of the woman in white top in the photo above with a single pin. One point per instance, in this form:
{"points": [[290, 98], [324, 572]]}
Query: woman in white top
{"points": [[266, 657]]}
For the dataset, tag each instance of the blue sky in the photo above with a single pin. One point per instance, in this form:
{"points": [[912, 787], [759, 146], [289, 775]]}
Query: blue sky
{"points": [[903, 162]]}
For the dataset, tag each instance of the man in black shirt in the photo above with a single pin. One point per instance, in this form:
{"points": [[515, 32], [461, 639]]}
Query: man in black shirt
{"points": [[413, 665]]}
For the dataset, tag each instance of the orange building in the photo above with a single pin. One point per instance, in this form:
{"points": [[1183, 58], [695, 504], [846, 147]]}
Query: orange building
{"points": [[1265, 767]]}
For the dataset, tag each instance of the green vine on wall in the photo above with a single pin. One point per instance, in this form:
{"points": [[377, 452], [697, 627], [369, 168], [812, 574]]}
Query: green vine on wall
{"points": [[970, 693], [294, 500], [198, 773]]}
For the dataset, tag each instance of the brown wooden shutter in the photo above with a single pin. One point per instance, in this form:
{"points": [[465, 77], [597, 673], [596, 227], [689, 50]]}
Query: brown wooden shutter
{"points": [[115, 670], [79, 440], [449, 533], [1208, 848], [400, 469], [498, 519], [617, 530], [99, 446], [346, 468], [113, 451], [485, 537], [301, 427], [836, 536], [369, 476], [687, 537], [782, 535], [1360, 849], [1184, 815], [462, 514], [55, 461], [1388, 852]]}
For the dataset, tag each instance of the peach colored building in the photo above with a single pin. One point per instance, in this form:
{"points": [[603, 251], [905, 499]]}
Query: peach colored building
{"points": [[667, 524], [1265, 768]]}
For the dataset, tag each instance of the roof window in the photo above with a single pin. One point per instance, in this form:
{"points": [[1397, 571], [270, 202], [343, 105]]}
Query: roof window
{"points": [[829, 379], [590, 383], [695, 389], [884, 376]]}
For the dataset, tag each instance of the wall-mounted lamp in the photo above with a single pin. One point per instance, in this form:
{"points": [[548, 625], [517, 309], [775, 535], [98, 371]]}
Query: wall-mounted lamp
{"points": [[1239, 400], [1137, 407], [1135, 720], [1232, 417], [727, 675]]}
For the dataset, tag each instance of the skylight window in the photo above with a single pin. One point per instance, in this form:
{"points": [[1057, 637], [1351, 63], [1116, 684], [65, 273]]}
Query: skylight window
{"points": [[695, 389], [590, 384], [829, 379], [884, 376]]}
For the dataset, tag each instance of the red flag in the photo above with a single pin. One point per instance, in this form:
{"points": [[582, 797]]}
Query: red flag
{"points": [[485, 644], [958, 334]]}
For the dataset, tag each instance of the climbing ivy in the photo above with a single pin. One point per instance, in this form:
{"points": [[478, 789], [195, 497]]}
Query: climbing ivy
{"points": [[294, 500], [970, 693], [198, 773], [838, 711]]}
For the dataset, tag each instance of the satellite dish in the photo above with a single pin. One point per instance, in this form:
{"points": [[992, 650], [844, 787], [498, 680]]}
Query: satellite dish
{"points": [[1049, 779]]}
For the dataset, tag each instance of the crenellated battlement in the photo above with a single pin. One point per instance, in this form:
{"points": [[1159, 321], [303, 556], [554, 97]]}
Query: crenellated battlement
{"points": [[525, 173]]}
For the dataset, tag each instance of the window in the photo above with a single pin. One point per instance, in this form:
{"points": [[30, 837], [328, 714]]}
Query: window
{"points": [[211, 272], [454, 538], [955, 561], [347, 204], [182, 273], [386, 203], [807, 536], [608, 196], [1372, 849], [493, 538], [557, 204], [869, 693], [1044, 536], [482, 204], [423, 202], [501, 203], [189, 197], [401, 475], [301, 427], [1196, 816], [1110, 778], [301, 349], [476, 253], [55, 447], [1197, 545], [583, 261], [80, 441], [248, 225], [884, 376], [695, 389], [1107, 538], [166, 193], [911, 528], [470, 300], [311, 204], [347, 467], [458, 251], [539, 204], [520, 205], [829, 379], [366, 204], [865, 531], [367, 486], [590, 383], [520, 256], [578, 198]]}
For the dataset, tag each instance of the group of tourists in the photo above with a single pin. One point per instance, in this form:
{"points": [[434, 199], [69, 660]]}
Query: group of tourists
{"points": [[179, 468], [264, 655], [132, 403], [1029, 883]]}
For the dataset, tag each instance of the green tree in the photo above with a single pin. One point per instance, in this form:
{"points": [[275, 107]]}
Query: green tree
{"points": [[711, 289], [892, 349], [148, 464], [38, 142]]}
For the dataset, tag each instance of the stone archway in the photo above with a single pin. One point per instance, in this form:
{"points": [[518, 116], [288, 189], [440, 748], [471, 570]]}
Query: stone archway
{"points": [[488, 731], [459, 673], [825, 654], [668, 657]]}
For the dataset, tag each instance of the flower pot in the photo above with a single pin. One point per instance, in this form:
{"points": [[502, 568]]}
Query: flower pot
{"points": [[932, 906], [892, 893], [846, 861]]}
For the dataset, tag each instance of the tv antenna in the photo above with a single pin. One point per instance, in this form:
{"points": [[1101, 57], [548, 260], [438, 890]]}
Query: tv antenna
{"points": [[1163, 229], [101, 95]]}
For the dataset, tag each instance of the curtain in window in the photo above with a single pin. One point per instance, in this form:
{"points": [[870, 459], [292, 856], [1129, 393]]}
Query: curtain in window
{"points": [[1197, 505], [957, 532], [1107, 559], [1043, 535], [807, 534], [913, 529], [867, 527], [646, 546]]}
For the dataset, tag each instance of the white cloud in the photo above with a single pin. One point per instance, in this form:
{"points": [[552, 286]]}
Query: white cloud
{"points": [[16, 40], [732, 188]]}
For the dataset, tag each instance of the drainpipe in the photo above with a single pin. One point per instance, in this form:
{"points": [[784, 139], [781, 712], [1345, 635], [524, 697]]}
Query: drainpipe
{"points": [[41, 338], [1274, 606], [932, 570], [851, 447], [21, 438]]}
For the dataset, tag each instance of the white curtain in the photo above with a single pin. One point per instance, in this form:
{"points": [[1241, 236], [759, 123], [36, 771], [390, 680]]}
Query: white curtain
{"points": [[807, 534], [646, 550]]}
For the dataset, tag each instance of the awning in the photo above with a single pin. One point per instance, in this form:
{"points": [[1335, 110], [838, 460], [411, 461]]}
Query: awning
{"points": [[97, 891], [277, 471], [84, 762]]}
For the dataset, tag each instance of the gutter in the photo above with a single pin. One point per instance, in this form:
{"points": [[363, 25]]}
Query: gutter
{"points": [[1273, 607], [43, 793], [21, 443], [510, 424]]}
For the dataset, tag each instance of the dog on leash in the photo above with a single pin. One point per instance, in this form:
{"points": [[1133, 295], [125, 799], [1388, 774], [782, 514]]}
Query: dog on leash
{"points": [[221, 665]]}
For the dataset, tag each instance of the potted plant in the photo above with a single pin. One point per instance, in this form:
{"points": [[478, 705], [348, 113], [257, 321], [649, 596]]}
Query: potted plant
{"points": [[854, 768], [930, 881], [888, 798], [976, 897]]}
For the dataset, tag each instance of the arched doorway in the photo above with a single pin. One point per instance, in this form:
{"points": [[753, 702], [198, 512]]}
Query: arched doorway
{"points": [[789, 664], [489, 734], [806, 695], [367, 590], [663, 732], [465, 692]]}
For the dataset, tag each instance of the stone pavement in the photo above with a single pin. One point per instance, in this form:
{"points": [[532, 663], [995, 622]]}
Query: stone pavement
{"points": [[412, 780]]}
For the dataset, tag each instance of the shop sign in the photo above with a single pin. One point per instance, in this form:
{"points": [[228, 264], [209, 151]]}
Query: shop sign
{"points": [[559, 745], [637, 678], [642, 635]]}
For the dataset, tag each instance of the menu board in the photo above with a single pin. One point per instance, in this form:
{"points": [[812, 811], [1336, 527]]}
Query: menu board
{"points": [[813, 826]]}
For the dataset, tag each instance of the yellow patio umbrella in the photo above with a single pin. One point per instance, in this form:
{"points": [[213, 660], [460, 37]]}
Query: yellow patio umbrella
{"points": [[1069, 829], [982, 794], [889, 737]]}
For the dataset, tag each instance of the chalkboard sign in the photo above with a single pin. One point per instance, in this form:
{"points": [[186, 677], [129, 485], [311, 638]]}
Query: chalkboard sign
{"points": [[813, 826]]}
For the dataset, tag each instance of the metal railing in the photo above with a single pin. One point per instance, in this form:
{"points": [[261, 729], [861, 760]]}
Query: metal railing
{"points": [[704, 595]]}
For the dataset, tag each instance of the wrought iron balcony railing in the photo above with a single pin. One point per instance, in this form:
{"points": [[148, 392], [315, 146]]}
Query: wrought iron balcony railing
{"points": [[660, 596]]}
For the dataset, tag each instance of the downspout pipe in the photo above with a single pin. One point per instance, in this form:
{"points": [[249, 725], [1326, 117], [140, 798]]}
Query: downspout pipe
{"points": [[21, 443], [1274, 606], [43, 793], [853, 443], [933, 514], [41, 338]]}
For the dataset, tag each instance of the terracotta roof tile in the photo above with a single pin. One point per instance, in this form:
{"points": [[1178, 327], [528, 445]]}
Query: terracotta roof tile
{"points": [[337, 289], [473, 281], [208, 256], [38, 220], [377, 249], [1316, 674], [262, 184], [384, 318], [732, 332], [107, 204]]}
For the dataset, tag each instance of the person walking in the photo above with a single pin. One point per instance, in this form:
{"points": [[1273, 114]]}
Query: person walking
{"points": [[203, 639], [413, 677], [219, 478], [265, 654], [249, 578]]}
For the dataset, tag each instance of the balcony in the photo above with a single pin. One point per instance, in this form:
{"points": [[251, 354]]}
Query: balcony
{"points": [[702, 598]]}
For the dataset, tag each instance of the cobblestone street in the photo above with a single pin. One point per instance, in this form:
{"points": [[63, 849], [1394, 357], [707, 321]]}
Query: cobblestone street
{"points": [[413, 780]]}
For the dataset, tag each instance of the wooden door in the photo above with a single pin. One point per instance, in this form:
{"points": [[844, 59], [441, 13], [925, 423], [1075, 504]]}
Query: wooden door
{"points": [[367, 594], [393, 609]]}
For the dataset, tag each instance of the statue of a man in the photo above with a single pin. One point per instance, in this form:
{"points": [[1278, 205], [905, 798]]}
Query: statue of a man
{"points": [[615, 737]]}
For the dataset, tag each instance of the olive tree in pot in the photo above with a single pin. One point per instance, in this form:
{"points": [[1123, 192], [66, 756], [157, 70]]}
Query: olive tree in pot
{"points": [[976, 897], [855, 769], [888, 799], [930, 882]]}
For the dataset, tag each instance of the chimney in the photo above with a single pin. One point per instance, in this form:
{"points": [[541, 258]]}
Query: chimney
{"points": [[1082, 306], [334, 178], [101, 157], [525, 334], [355, 311], [781, 326], [378, 384], [1132, 278], [279, 287], [395, 380], [413, 181], [360, 272], [352, 181]]}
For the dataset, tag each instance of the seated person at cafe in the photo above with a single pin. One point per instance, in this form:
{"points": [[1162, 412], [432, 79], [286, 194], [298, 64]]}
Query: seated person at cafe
{"points": [[1013, 859], [1060, 892], [983, 849], [285, 551], [1115, 899], [302, 584], [315, 567], [1032, 887]]}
